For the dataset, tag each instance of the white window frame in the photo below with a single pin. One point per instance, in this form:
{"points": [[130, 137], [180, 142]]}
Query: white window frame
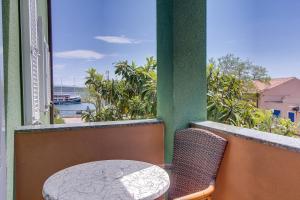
{"points": [[30, 62], [44, 69]]}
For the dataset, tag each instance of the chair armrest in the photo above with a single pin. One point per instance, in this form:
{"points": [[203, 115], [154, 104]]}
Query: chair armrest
{"points": [[166, 166], [201, 195]]}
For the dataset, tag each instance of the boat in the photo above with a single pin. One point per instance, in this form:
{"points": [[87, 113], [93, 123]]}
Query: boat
{"points": [[66, 99], [61, 98]]}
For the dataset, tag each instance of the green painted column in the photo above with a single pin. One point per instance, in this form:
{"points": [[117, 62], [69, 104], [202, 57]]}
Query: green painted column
{"points": [[181, 55], [12, 82]]}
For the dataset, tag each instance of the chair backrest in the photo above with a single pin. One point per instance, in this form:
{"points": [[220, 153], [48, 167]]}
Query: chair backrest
{"points": [[197, 156]]}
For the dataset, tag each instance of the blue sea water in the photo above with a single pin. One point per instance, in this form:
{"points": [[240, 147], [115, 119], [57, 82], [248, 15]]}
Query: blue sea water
{"points": [[70, 110]]}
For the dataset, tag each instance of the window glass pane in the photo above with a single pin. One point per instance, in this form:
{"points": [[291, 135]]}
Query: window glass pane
{"points": [[276, 113], [292, 116]]}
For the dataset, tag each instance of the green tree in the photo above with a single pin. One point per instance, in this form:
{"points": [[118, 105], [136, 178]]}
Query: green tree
{"points": [[259, 73], [241, 69], [131, 96], [226, 101], [230, 103]]}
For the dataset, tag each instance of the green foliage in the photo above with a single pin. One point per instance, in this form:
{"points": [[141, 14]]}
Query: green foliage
{"points": [[131, 96], [285, 127], [229, 102], [241, 69], [265, 121], [57, 118], [226, 101]]}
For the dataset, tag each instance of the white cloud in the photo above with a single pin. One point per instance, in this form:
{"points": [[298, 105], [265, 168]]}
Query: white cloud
{"points": [[79, 54], [117, 39]]}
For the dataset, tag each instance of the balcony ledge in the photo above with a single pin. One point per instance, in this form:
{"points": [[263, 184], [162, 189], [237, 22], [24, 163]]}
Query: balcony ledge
{"points": [[65, 127], [288, 143]]}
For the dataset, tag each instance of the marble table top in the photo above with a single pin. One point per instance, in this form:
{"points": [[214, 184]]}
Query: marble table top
{"points": [[109, 180]]}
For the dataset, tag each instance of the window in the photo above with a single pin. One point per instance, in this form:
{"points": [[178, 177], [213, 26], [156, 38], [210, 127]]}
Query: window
{"points": [[291, 116], [44, 69], [276, 113], [35, 64]]}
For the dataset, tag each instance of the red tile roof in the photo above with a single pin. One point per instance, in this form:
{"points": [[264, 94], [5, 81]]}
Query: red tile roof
{"points": [[260, 86]]}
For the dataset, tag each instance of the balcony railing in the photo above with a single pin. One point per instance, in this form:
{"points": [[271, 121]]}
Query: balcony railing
{"points": [[42, 150], [256, 165]]}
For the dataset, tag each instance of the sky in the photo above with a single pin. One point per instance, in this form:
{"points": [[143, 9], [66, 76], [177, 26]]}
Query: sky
{"points": [[267, 32], [98, 33]]}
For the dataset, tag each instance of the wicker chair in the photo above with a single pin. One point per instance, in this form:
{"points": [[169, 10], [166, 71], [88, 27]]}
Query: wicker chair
{"points": [[197, 156]]}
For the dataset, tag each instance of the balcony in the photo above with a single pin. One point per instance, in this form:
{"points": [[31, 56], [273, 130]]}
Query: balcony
{"points": [[256, 165]]}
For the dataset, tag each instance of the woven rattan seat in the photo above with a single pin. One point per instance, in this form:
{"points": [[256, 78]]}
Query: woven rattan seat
{"points": [[197, 156]]}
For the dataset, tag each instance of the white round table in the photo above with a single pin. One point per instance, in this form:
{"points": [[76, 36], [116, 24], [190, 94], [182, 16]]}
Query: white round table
{"points": [[109, 180]]}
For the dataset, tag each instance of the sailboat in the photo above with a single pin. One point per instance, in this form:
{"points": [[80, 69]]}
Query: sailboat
{"points": [[66, 98]]}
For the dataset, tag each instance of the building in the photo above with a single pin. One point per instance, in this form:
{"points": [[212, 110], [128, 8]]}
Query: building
{"points": [[26, 81], [281, 95]]}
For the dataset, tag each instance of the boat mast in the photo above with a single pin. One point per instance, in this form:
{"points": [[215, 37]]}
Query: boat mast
{"points": [[107, 75], [74, 86], [61, 87], [61, 93]]}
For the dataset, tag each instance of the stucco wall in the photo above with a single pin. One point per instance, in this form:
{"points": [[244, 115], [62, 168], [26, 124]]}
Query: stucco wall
{"points": [[251, 170], [254, 168], [46, 152]]}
